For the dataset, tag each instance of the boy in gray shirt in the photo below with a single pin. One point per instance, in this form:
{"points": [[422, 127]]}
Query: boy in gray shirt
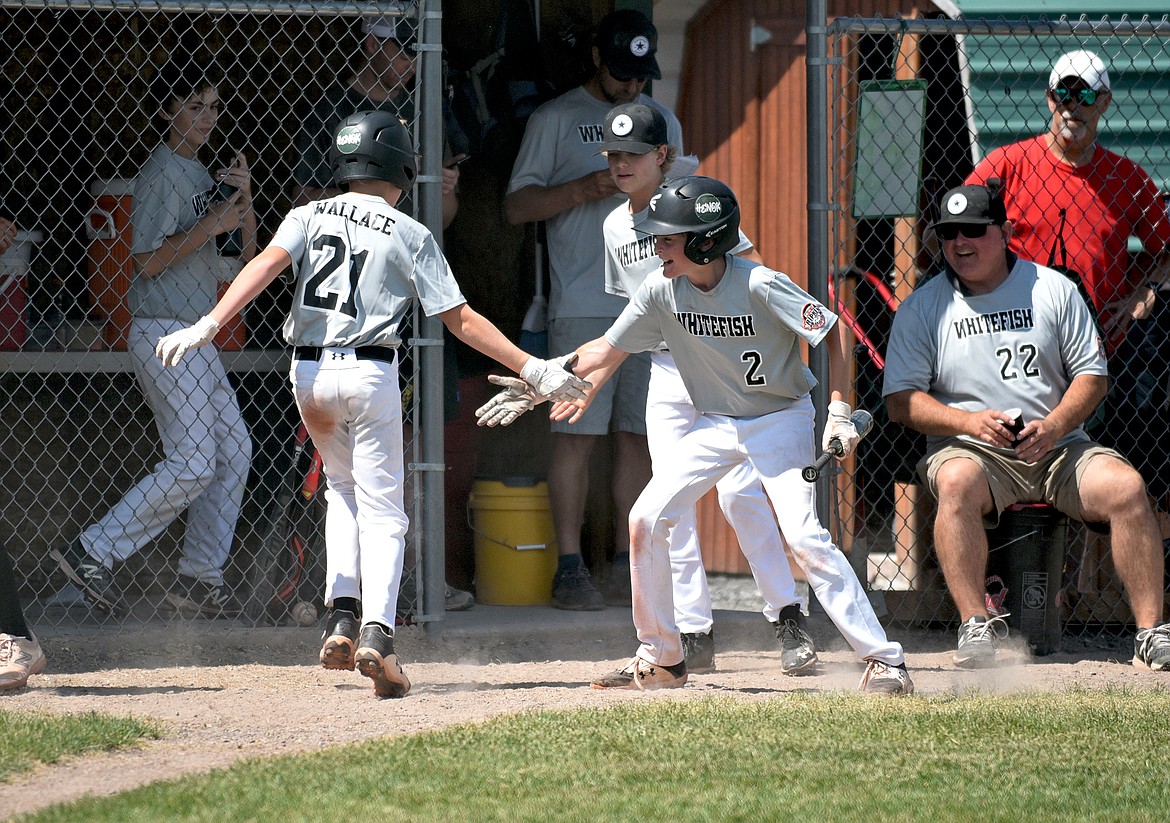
{"points": [[734, 328], [176, 218]]}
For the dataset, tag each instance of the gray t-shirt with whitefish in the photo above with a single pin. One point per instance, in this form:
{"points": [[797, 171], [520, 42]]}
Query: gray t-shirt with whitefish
{"points": [[171, 194], [737, 346], [561, 143], [629, 254], [357, 266], [1019, 346]]}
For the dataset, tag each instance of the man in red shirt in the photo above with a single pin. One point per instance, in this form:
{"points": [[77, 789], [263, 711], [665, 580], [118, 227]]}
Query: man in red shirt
{"points": [[1074, 204]]}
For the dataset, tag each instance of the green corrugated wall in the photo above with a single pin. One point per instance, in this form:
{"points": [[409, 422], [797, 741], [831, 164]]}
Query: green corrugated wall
{"points": [[1008, 76]]}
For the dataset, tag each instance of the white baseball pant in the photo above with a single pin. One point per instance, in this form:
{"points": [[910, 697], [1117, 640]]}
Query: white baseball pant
{"points": [[207, 456], [777, 446], [669, 415], [353, 411]]}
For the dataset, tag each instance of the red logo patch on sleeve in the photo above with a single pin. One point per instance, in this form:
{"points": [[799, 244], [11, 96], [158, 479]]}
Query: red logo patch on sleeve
{"points": [[813, 316]]}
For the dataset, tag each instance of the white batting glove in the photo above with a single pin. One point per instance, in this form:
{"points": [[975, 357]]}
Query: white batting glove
{"points": [[839, 427], [554, 379], [516, 398], [171, 348]]}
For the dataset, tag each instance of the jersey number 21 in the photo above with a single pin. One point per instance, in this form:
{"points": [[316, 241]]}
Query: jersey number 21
{"points": [[329, 300]]}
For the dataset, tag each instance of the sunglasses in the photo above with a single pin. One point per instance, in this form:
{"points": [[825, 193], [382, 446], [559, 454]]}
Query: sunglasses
{"points": [[949, 231], [1084, 97]]}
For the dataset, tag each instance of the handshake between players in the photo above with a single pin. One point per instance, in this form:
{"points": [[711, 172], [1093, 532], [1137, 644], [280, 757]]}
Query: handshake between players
{"points": [[519, 395], [547, 380], [539, 379]]}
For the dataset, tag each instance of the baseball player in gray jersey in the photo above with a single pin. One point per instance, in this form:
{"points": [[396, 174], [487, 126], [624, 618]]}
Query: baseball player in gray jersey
{"points": [[637, 148], [996, 341], [175, 220], [735, 329], [561, 178], [357, 265]]}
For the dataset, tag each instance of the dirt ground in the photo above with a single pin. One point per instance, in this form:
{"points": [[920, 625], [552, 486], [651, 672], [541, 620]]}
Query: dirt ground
{"points": [[227, 694]]}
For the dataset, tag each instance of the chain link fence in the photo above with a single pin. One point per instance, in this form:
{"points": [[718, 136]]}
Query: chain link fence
{"points": [[915, 105], [78, 433]]}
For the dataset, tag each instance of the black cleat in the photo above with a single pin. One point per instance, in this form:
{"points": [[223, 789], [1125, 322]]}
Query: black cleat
{"points": [[339, 640], [376, 660]]}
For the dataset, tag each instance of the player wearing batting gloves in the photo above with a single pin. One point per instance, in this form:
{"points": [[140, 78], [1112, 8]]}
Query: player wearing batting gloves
{"points": [[358, 264], [735, 329], [640, 157], [995, 332]]}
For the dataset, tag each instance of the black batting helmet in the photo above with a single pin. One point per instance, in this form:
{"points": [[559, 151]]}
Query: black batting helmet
{"points": [[701, 208], [373, 145]]}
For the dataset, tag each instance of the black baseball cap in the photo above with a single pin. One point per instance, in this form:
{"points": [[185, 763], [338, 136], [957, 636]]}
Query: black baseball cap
{"points": [[634, 127], [626, 41], [971, 206]]}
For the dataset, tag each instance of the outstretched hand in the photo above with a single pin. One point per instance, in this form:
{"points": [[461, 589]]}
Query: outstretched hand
{"points": [[516, 398], [554, 379], [569, 411], [171, 348]]}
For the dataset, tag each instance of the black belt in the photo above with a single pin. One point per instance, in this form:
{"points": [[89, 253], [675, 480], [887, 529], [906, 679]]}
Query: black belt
{"points": [[378, 353]]}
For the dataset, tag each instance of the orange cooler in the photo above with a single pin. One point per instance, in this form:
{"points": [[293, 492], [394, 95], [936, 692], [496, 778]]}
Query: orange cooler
{"points": [[110, 267]]}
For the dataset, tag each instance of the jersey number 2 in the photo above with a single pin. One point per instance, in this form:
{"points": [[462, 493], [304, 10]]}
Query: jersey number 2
{"points": [[330, 299], [752, 376]]}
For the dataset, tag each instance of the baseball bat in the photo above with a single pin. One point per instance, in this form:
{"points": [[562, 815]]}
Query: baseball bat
{"points": [[862, 421]]}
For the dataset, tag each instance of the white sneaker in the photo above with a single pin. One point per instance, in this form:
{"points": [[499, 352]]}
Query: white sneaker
{"points": [[978, 639], [1151, 648], [884, 679], [20, 657], [798, 652]]}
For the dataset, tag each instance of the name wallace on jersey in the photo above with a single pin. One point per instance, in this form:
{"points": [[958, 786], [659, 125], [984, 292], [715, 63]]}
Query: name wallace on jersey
{"points": [[349, 211]]}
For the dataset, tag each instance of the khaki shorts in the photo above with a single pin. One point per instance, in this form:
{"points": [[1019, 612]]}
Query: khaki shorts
{"points": [[620, 405], [1055, 479]]}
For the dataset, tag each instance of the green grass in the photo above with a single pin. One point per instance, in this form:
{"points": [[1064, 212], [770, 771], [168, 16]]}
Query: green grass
{"points": [[1078, 755], [28, 739]]}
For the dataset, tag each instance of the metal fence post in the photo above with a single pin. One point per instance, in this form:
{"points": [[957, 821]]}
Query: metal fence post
{"points": [[818, 206], [432, 528]]}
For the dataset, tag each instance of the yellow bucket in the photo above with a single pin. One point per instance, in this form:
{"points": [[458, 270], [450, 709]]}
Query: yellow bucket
{"points": [[515, 545]]}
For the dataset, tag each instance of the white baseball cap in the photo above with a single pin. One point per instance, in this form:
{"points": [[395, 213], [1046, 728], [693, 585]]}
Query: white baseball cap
{"points": [[1083, 65], [398, 27]]}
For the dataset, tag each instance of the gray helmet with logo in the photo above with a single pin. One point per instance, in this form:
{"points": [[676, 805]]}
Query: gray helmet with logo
{"points": [[373, 145], [700, 207]]}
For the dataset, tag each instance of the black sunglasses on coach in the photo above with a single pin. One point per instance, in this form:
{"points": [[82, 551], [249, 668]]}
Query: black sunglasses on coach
{"points": [[949, 231], [1085, 97]]}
